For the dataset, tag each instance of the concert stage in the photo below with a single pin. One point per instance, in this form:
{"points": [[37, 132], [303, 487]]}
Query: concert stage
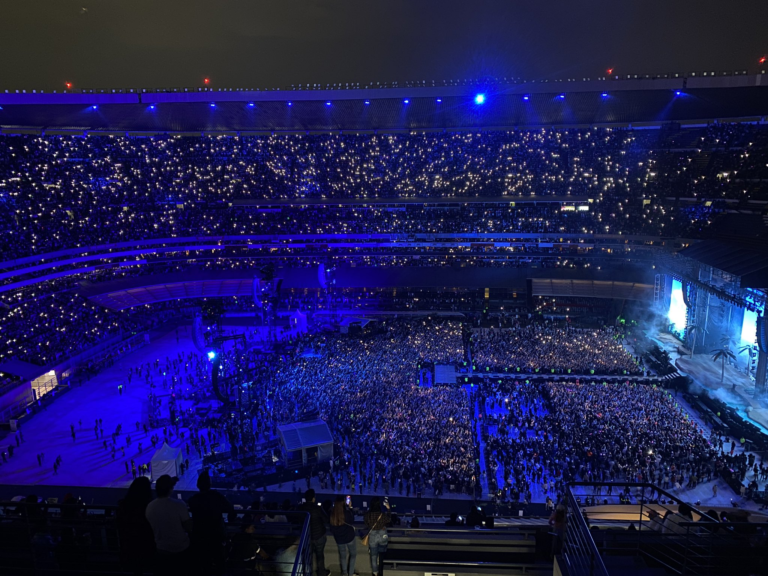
{"points": [[710, 298], [736, 389]]}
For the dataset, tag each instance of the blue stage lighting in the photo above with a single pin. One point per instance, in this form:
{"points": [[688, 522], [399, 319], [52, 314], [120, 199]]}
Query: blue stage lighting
{"points": [[480, 99], [367, 102], [406, 101], [678, 93], [327, 103], [211, 355], [94, 107], [213, 104], [151, 106], [604, 94], [251, 104], [290, 103], [526, 97], [562, 97], [439, 100]]}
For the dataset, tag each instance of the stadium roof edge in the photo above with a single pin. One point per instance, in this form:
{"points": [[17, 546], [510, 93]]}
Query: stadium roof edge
{"points": [[629, 103], [178, 95]]}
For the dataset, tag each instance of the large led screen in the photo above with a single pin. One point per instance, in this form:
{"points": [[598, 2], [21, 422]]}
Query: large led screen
{"points": [[677, 308], [749, 327]]}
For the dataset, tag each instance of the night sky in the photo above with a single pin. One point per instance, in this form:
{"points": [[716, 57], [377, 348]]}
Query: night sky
{"points": [[253, 43]]}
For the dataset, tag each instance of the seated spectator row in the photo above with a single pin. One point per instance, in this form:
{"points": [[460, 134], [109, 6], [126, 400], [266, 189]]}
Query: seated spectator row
{"points": [[67, 192]]}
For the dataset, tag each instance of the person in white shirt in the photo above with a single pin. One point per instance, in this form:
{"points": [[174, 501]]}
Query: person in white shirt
{"points": [[170, 523], [672, 523]]}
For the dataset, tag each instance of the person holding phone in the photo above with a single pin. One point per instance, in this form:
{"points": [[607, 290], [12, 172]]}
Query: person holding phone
{"points": [[343, 530], [377, 519]]}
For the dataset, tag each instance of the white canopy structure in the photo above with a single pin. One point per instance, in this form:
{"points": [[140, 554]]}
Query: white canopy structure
{"points": [[305, 442], [166, 461]]}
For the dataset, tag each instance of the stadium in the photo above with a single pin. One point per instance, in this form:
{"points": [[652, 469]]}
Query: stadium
{"points": [[494, 326]]}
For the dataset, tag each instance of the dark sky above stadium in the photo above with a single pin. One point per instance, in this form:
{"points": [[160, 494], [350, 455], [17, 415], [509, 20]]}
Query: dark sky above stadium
{"points": [[255, 43]]}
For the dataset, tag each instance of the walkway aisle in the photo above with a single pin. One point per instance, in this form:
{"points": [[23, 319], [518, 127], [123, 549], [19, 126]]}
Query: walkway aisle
{"points": [[481, 448]]}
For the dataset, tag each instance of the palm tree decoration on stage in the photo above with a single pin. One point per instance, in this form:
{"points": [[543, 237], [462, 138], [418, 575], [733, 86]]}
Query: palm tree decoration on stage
{"points": [[723, 354], [746, 349], [692, 330]]}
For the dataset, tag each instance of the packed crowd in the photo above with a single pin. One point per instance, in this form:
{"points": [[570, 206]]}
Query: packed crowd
{"points": [[53, 327], [535, 347], [394, 432], [47, 328], [390, 430], [63, 192], [540, 435], [394, 435]]}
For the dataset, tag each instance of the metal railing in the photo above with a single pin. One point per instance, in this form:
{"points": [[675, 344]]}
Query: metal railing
{"points": [[44, 385], [645, 521], [303, 564], [579, 552]]}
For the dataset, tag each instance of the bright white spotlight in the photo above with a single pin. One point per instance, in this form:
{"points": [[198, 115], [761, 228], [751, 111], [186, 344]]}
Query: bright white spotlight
{"points": [[480, 99]]}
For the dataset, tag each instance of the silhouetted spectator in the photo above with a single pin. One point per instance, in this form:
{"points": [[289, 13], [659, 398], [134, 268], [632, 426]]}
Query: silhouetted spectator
{"points": [[170, 523], [454, 520], [316, 531], [137, 541], [208, 531], [475, 517]]}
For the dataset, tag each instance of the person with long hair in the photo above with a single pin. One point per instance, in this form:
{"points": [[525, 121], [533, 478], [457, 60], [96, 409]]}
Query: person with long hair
{"points": [[137, 542], [343, 532], [377, 519]]}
